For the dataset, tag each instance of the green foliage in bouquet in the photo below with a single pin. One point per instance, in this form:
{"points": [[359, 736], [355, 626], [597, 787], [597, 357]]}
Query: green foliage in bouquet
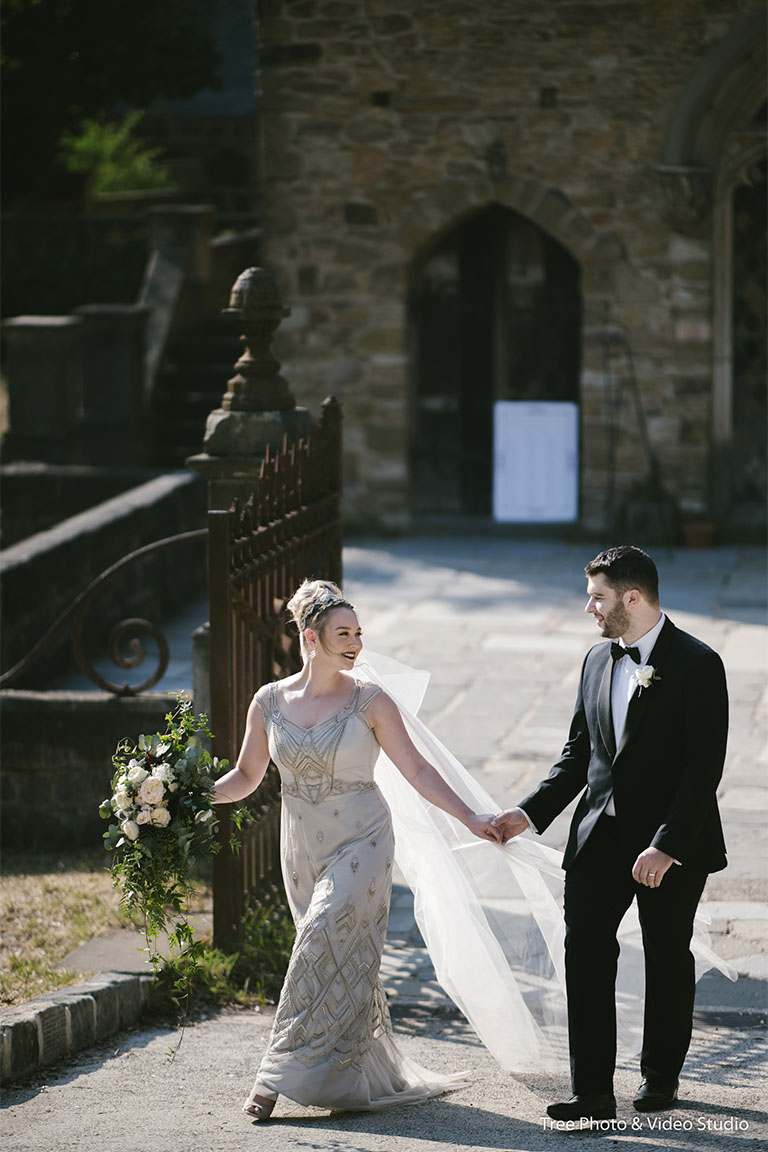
{"points": [[253, 974], [163, 827]]}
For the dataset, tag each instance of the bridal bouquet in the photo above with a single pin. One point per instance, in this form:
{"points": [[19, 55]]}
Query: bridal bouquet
{"points": [[162, 825]]}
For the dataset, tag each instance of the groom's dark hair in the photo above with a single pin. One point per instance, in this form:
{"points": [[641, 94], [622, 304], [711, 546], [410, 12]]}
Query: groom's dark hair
{"points": [[627, 567]]}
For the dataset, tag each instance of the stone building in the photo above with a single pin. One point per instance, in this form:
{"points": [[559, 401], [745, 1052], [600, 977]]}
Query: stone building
{"points": [[562, 201]]}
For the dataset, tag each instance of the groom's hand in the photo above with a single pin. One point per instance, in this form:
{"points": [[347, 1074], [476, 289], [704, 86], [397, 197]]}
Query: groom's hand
{"points": [[651, 867], [511, 823]]}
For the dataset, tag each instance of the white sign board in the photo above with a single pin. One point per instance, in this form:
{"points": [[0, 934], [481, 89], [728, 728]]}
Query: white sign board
{"points": [[535, 462]]}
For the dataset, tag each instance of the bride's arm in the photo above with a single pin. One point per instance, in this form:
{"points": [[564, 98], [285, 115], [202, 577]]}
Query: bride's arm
{"points": [[389, 730], [252, 762]]}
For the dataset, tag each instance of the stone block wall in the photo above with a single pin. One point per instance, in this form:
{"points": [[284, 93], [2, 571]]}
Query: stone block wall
{"points": [[386, 123], [57, 767]]}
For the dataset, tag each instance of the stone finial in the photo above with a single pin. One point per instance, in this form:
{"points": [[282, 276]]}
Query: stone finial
{"points": [[257, 411], [258, 386]]}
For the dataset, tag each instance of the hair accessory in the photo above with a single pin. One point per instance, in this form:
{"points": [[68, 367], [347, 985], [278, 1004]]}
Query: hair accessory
{"points": [[322, 604]]}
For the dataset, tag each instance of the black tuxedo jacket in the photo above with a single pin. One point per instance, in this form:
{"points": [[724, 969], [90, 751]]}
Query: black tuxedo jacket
{"points": [[665, 773]]}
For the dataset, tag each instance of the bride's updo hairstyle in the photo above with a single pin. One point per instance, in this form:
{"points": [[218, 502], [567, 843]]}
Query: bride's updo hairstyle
{"points": [[310, 605]]}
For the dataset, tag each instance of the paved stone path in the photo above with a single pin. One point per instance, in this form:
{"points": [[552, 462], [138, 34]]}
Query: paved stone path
{"points": [[500, 624]]}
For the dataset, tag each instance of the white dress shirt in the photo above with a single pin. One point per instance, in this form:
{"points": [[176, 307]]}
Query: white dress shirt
{"points": [[624, 686]]}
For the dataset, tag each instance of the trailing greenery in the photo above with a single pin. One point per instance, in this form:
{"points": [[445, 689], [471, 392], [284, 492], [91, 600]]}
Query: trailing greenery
{"points": [[251, 975], [163, 830]]}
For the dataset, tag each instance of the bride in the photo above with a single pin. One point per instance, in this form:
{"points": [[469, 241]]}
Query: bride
{"points": [[331, 1042]]}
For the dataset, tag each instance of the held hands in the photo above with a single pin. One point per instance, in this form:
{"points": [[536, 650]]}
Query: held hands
{"points": [[651, 867], [510, 823], [483, 826]]}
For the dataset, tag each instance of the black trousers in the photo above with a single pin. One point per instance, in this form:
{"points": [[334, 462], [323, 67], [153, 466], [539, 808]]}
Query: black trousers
{"points": [[598, 890]]}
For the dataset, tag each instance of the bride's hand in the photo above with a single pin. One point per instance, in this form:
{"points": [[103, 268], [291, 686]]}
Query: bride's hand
{"points": [[484, 827]]}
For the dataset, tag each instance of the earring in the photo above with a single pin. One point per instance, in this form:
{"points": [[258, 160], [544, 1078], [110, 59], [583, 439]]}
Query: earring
{"points": [[312, 654]]}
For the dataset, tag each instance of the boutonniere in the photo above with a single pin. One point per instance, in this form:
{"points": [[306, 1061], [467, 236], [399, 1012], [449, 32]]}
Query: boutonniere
{"points": [[646, 676]]}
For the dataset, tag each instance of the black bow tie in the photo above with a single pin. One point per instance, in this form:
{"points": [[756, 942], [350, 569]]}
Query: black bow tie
{"points": [[617, 651]]}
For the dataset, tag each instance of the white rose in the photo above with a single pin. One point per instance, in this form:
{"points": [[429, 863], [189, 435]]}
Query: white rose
{"points": [[152, 791], [163, 772], [161, 817], [645, 675], [201, 817], [145, 816], [136, 774], [121, 801], [130, 829]]}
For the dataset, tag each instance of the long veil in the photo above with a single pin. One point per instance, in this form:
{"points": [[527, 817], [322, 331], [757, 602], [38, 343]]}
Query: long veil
{"points": [[491, 915]]}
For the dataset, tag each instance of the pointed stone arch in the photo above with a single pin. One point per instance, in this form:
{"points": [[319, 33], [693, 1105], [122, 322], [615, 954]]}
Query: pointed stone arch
{"points": [[714, 140], [436, 212], [601, 258]]}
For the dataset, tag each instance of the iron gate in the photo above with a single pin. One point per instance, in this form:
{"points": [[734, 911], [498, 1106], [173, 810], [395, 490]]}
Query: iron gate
{"points": [[259, 553]]}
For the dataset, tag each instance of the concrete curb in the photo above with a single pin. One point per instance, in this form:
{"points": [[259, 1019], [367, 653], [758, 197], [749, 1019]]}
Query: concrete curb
{"points": [[48, 1028]]}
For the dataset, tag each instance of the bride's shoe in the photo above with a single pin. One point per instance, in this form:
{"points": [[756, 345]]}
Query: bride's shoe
{"points": [[258, 1107]]}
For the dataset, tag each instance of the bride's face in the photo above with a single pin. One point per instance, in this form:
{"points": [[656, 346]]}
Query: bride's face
{"points": [[341, 637]]}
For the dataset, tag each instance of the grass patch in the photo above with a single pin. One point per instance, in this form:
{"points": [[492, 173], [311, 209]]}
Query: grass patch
{"points": [[48, 906]]}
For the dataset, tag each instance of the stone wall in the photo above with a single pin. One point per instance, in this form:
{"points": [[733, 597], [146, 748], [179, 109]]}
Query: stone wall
{"points": [[384, 123], [57, 766]]}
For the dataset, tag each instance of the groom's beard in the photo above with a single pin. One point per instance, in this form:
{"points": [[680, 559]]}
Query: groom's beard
{"points": [[615, 623]]}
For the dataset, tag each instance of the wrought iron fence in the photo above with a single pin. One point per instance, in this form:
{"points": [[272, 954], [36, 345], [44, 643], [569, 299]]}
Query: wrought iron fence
{"points": [[289, 529]]}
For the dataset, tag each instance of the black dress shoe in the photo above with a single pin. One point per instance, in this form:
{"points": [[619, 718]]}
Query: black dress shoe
{"points": [[655, 1095], [585, 1106]]}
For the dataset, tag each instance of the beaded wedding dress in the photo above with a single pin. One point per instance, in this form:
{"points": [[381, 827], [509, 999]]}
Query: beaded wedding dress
{"points": [[331, 1043]]}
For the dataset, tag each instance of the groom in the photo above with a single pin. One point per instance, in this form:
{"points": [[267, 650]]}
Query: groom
{"points": [[645, 750]]}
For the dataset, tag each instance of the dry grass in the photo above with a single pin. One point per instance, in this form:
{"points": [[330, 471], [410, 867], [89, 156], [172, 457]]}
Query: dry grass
{"points": [[48, 906]]}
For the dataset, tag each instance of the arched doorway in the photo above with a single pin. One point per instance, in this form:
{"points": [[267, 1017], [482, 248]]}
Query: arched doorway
{"points": [[495, 313], [749, 345]]}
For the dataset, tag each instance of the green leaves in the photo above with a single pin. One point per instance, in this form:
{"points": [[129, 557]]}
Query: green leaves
{"points": [[156, 837]]}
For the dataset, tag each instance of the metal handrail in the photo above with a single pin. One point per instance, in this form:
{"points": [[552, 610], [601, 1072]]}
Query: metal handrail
{"points": [[76, 612]]}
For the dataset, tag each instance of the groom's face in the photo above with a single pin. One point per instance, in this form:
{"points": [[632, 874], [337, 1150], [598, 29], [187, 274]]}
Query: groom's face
{"points": [[607, 606]]}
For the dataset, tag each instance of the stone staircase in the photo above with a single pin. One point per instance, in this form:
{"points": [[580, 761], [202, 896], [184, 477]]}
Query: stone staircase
{"points": [[191, 382]]}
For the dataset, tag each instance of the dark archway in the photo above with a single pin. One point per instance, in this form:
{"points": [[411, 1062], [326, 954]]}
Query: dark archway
{"points": [[749, 471], [495, 311]]}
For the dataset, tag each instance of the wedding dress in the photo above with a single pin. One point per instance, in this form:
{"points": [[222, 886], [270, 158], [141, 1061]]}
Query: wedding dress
{"points": [[491, 915], [331, 1043]]}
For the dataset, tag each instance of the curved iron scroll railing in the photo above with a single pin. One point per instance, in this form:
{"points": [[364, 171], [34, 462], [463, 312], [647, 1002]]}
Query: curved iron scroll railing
{"points": [[75, 614]]}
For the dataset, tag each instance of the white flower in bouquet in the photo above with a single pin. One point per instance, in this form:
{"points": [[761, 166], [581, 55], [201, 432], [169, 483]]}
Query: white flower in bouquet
{"points": [[161, 817], [151, 791], [130, 829], [136, 774], [164, 772], [145, 816], [121, 801], [201, 817]]}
